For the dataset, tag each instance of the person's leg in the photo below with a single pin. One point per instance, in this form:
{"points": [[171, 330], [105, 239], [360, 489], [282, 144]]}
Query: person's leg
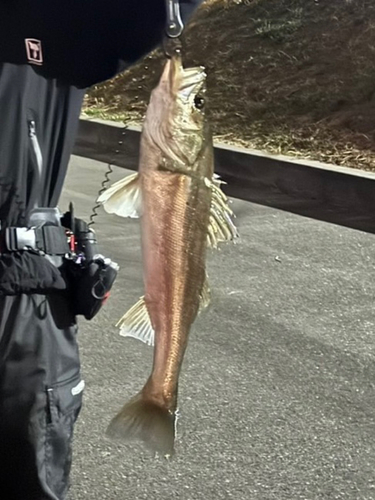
{"points": [[40, 396]]}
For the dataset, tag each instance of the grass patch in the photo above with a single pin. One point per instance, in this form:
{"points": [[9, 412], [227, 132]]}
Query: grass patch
{"points": [[295, 77]]}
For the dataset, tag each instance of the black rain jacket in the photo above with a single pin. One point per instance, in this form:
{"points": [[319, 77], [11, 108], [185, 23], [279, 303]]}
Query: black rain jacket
{"points": [[81, 42]]}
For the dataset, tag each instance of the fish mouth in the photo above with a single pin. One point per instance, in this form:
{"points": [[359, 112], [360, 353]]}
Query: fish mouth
{"points": [[185, 82], [192, 82]]}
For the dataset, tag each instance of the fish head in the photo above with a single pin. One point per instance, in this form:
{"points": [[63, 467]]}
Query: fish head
{"points": [[177, 105]]}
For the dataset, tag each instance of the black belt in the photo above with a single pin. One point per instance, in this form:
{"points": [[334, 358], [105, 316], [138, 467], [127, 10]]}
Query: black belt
{"points": [[49, 239]]}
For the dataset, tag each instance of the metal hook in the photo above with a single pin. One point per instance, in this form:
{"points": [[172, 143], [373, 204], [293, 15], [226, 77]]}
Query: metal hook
{"points": [[175, 26], [172, 47]]}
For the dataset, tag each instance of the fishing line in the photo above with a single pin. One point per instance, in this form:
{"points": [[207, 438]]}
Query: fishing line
{"points": [[107, 177], [110, 164]]}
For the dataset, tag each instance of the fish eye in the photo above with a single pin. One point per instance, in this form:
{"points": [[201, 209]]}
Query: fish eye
{"points": [[199, 102]]}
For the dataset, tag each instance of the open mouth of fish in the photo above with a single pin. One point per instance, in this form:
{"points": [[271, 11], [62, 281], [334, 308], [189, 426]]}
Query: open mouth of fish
{"points": [[193, 82]]}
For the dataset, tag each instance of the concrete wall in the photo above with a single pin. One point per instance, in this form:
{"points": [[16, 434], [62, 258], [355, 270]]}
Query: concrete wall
{"points": [[333, 194]]}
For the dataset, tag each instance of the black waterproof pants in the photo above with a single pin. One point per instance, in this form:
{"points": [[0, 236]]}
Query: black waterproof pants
{"points": [[40, 382], [40, 396]]}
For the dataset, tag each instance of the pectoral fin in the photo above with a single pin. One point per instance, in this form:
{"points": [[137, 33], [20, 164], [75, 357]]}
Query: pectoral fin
{"points": [[123, 198], [136, 323], [221, 226]]}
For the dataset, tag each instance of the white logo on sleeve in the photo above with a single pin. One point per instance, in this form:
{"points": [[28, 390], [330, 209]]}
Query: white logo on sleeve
{"points": [[34, 51]]}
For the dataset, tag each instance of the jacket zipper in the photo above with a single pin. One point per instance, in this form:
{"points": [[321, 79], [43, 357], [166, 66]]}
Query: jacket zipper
{"points": [[49, 409], [36, 147]]}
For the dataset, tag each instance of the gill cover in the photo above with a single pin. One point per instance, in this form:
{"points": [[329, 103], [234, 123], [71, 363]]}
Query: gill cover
{"points": [[174, 123]]}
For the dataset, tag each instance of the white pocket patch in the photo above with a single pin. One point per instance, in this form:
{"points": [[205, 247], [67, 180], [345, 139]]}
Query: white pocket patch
{"points": [[78, 388]]}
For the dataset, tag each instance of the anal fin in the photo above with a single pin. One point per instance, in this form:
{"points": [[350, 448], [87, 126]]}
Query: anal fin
{"points": [[136, 323]]}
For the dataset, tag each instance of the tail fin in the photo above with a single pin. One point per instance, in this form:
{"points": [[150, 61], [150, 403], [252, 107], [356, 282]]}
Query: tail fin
{"points": [[145, 420]]}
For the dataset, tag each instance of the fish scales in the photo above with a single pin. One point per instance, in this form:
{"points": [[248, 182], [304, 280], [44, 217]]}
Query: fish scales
{"points": [[174, 269], [183, 212]]}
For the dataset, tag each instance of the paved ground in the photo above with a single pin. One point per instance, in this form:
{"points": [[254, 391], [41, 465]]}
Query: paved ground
{"points": [[277, 391]]}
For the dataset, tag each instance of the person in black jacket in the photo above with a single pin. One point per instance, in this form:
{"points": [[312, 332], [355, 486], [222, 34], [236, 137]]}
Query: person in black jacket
{"points": [[50, 52]]}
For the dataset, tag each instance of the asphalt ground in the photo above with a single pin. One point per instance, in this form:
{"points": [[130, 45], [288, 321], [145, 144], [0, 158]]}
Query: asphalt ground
{"points": [[277, 387]]}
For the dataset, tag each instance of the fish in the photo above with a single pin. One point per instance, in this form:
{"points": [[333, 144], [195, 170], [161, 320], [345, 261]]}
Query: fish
{"points": [[183, 212]]}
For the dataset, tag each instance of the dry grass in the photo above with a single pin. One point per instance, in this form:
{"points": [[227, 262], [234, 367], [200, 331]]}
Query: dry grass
{"points": [[286, 76]]}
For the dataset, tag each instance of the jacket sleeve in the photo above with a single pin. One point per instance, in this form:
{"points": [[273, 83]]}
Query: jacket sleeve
{"points": [[81, 43]]}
